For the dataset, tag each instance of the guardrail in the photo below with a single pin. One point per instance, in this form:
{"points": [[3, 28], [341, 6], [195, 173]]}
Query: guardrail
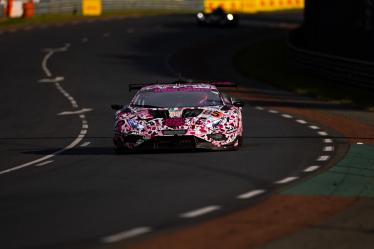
{"points": [[75, 6], [2, 11], [352, 72]]}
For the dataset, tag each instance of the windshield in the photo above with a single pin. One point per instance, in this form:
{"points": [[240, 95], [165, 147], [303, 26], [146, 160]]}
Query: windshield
{"points": [[157, 98]]}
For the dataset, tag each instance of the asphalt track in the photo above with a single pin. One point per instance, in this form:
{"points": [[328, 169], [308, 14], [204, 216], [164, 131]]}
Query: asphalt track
{"points": [[80, 196]]}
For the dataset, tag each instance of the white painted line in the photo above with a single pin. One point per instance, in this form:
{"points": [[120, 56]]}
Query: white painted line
{"points": [[84, 110], [56, 79], [287, 180], [126, 234], [301, 121], [311, 169], [70, 146], [287, 116], [44, 163], [84, 126], [314, 127], [328, 148], [327, 141], [74, 104], [76, 141], [251, 194], [85, 144], [322, 133], [273, 111], [259, 108], [199, 212], [82, 116], [323, 158], [44, 63], [84, 121], [360, 143]]}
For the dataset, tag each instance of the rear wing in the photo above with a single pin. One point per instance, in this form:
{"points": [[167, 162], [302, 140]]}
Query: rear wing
{"points": [[216, 83]]}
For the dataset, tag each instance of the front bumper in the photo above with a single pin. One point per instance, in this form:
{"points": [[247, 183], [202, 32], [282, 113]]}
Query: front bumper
{"points": [[135, 142]]}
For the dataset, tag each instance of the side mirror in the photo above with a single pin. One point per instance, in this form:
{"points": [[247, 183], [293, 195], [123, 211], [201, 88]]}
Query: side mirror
{"points": [[239, 104], [116, 107]]}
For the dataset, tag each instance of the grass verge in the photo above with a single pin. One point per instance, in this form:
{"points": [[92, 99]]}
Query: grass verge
{"points": [[268, 61], [68, 17]]}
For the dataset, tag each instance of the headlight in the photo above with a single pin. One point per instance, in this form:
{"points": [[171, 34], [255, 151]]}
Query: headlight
{"points": [[230, 17], [200, 15], [135, 124]]}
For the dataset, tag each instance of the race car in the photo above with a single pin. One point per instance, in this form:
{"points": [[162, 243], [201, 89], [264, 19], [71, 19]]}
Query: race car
{"points": [[178, 116], [217, 17]]}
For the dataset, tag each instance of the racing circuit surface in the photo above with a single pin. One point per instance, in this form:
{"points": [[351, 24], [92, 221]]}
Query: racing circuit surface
{"points": [[62, 185]]}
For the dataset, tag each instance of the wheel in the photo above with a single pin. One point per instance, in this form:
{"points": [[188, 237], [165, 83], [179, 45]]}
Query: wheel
{"points": [[240, 141]]}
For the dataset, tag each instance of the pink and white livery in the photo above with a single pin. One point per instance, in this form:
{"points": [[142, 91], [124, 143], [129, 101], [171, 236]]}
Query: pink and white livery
{"points": [[179, 115]]}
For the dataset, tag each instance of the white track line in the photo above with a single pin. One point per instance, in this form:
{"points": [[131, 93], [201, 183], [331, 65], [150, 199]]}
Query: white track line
{"points": [[67, 95], [251, 194], [328, 141], [259, 108], [300, 121], [311, 169], [75, 112], [44, 163], [313, 127], [323, 158], [323, 133], [273, 111], [78, 139], [85, 144], [360, 143], [44, 63], [126, 234], [199, 212], [287, 180], [49, 80], [287, 116], [328, 148]]}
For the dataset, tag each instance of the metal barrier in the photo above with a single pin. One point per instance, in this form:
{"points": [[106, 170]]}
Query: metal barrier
{"points": [[352, 72], [2, 10], [75, 6], [56, 7]]}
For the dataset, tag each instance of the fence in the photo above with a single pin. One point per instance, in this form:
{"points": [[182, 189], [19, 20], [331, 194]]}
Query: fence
{"points": [[75, 6], [356, 73], [253, 6]]}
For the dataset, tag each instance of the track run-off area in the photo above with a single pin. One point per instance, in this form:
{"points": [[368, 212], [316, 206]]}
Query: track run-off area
{"points": [[62, 185]]}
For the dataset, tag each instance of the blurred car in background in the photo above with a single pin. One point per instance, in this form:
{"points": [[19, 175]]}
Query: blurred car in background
{"points": [[218, 17]]}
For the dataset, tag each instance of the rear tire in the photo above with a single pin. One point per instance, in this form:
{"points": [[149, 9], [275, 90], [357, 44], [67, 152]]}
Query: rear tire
{"points": [[240, 141]]}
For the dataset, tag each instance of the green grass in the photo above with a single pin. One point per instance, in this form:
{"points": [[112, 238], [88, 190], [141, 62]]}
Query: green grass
{"points": [[268, 61], [58, 18]]}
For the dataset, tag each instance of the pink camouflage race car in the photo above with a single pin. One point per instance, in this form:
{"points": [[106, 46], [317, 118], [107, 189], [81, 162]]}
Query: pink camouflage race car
{"points": [[179, 116]]}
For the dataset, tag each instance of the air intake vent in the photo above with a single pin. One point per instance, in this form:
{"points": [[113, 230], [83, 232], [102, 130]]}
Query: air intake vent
{"points": [[191, 113], [159, 113]]}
